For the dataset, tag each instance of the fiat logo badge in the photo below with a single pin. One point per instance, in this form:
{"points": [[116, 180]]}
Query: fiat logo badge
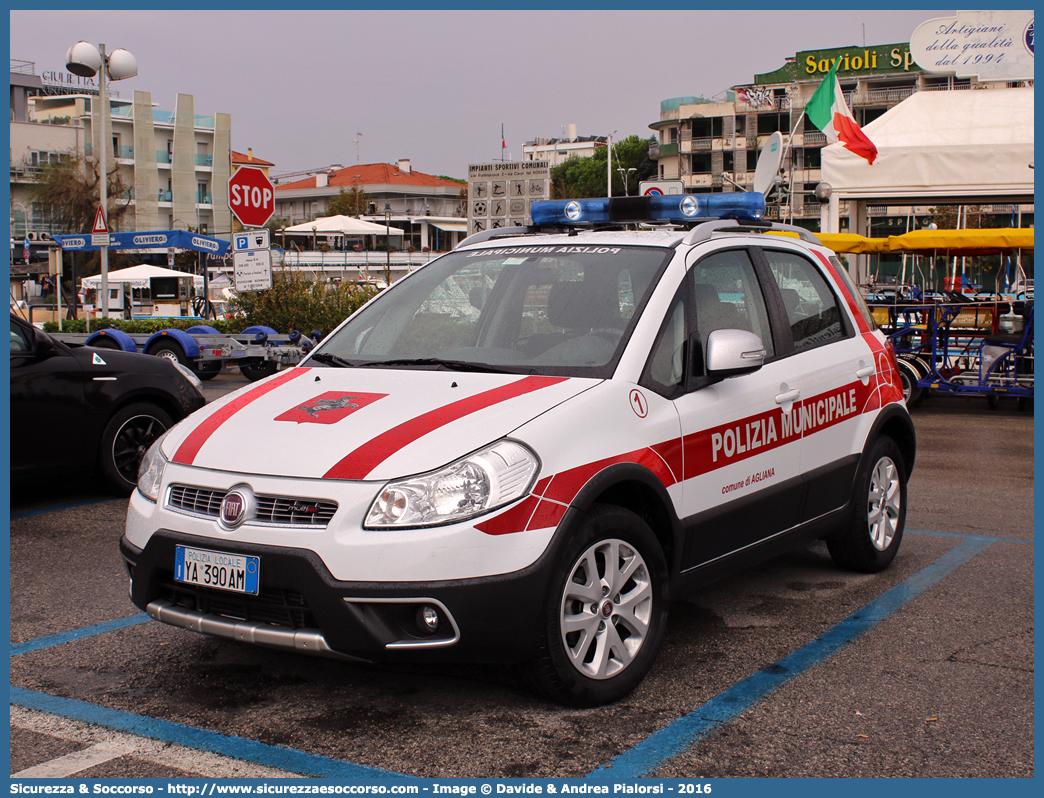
{"points": [[233, 509]]}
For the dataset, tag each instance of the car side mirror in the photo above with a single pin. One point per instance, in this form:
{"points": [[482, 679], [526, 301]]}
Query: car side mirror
{"points": [[43, 345], [732, 352]]}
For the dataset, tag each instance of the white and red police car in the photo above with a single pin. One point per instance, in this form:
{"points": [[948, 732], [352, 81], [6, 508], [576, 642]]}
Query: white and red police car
{"points": [[522, 451]]}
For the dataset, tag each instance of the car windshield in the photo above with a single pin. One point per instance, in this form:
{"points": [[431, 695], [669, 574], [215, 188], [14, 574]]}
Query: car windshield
{"points": [[554, 309]]}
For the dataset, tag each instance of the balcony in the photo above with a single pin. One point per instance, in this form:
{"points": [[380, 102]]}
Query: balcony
{"points": [[880, 96], [26, 173], [165, 196], [204, 198], [204, 160], [127, 153]]}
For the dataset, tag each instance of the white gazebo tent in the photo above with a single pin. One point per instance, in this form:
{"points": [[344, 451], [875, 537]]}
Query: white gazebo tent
{"points": [[141, 276], [342, 225], [944, 147]]}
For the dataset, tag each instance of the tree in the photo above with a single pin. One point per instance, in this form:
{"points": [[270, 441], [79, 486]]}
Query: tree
{"points": [[349, 202], [68, 190], [587, 177], [68, 193]]}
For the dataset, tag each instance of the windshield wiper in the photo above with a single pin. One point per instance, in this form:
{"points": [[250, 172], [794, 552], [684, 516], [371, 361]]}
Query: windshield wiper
{"points": [[333, 360], [452, 365]]}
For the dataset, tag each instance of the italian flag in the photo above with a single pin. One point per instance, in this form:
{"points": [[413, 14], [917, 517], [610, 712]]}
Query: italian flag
{"points": [[503, 141], [828, 111]]}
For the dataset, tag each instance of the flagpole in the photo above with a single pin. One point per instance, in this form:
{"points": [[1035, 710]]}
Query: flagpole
{"points": [[786, 149]]}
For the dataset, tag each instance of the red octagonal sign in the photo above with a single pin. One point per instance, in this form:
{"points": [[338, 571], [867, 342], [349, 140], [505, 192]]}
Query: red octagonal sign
{"points": [[251, 196]]}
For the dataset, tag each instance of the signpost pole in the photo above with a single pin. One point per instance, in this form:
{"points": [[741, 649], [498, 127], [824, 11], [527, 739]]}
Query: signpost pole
{"points": [[103, 182]]}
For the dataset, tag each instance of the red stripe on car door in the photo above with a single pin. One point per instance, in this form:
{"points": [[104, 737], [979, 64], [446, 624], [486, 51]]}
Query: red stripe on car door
{"points": [[194, 442], [359, 463]]}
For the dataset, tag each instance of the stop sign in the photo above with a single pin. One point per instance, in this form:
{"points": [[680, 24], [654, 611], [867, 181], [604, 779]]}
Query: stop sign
{"points": [[251, 196]]}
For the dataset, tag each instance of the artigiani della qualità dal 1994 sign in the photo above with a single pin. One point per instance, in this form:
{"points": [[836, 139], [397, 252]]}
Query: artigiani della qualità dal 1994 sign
{"points": [[985, 45]]}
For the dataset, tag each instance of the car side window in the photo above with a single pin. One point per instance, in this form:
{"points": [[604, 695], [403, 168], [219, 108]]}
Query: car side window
{"points": [[665, 372], [811, 307], [728, 297], [18, 342]]}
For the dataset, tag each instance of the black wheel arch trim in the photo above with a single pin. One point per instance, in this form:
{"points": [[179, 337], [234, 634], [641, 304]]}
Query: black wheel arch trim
{"points": [[633, 487], [895, 422]]}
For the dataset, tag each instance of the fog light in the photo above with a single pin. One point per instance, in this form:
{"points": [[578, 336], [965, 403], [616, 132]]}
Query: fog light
{"points": [[428, 619]]}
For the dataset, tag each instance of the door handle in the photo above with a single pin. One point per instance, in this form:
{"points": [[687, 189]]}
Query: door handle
{"points": [[787, 397], [866, 371]]}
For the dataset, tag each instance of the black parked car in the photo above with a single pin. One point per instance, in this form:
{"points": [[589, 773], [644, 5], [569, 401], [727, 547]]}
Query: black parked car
{"points": [[84, 410]]}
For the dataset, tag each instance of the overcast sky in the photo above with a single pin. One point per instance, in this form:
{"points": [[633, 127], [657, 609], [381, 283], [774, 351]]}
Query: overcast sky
{"points": [[436, 86]]}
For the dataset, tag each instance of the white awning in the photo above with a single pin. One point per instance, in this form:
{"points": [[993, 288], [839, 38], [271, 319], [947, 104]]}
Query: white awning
{"points": [[451, 227], [939, 146]]}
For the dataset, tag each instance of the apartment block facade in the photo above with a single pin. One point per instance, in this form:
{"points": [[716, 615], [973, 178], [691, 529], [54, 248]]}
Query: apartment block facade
{"points": [[712, 145]]}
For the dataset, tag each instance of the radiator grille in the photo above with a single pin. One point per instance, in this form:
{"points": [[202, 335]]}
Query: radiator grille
{"points": [[273, 606], [271, 510]]}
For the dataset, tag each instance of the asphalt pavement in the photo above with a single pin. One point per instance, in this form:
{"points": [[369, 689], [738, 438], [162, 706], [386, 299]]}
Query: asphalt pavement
{"points": [[793, 669]]}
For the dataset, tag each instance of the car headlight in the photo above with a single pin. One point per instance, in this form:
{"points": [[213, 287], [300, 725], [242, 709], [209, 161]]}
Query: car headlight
{"points": [[189, 375], [150, 472], [476, 484]]}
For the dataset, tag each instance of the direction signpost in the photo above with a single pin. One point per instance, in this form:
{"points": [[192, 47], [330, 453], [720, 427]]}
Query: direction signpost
{"points": [[252, 257], [251, 197]]}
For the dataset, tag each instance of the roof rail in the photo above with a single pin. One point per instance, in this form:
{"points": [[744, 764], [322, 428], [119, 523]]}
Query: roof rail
{"points": [[704, 231], [497, 232]]}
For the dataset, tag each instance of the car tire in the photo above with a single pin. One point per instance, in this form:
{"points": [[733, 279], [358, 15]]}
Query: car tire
{"points": [[602, 623], [870, 541], [258, 371], [170, 351], [125, 440]]}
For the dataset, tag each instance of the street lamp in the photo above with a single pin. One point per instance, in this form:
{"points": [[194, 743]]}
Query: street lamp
{"points": [[86, 60], [625, 178], [313, 238]]}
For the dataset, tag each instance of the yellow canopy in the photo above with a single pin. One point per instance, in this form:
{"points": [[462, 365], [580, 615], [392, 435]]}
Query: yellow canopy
{"points": [[850, 242], [929, 240], [949, 240]]}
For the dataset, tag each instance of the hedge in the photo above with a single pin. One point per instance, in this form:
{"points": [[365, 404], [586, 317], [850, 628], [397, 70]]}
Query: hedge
{"points": [[294, 302]]}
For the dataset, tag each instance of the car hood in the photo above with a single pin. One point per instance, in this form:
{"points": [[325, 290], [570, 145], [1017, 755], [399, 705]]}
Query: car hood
{"points": [[374, 424]]}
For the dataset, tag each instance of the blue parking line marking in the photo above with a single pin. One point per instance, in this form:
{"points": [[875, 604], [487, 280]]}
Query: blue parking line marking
{"points": [[273, 756], [705, 720], [963, 536], [638, 761], [59, 507], [60, 638]]}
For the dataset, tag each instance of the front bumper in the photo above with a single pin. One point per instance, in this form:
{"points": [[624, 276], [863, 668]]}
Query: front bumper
{"points": [[302, 607]]}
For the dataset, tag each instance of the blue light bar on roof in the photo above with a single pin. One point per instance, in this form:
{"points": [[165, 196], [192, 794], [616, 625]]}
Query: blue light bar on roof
{"points": [[661, 208]]}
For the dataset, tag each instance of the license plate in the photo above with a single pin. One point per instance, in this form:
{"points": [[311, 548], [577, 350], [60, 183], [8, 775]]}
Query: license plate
{"points": [[218, 569]]}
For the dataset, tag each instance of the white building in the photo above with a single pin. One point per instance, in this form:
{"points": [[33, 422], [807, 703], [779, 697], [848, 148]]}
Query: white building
{"points": [[557, 150], [427, 208], [172, 162]]}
